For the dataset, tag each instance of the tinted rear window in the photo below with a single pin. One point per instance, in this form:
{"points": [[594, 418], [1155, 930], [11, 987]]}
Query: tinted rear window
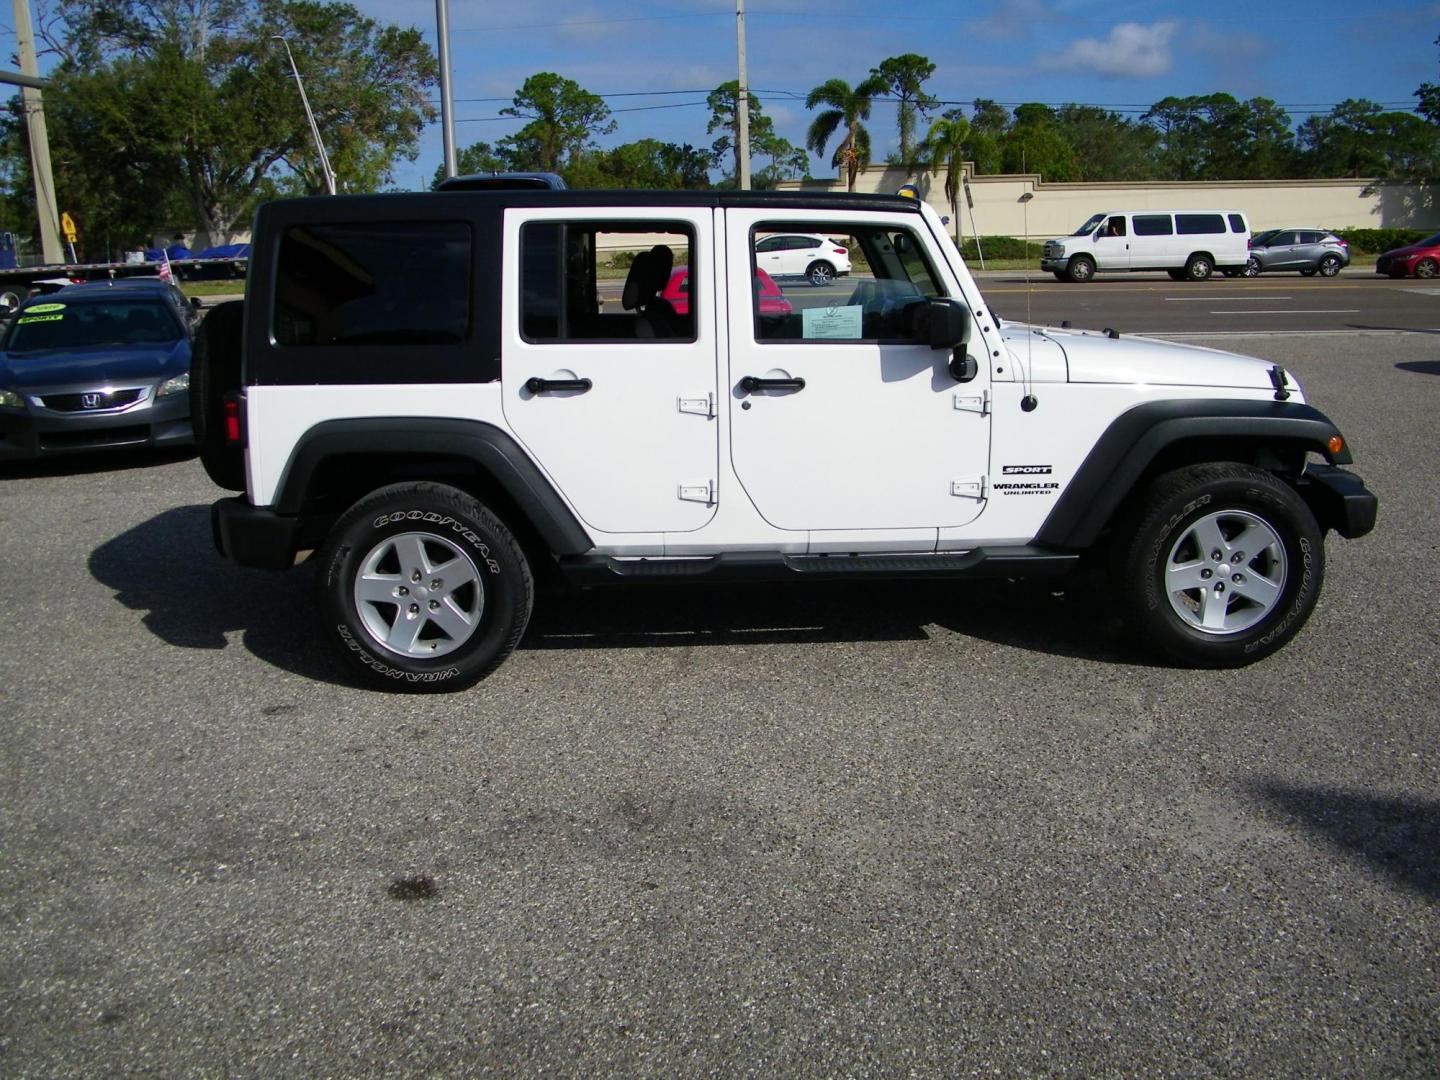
{"points": [[396, 283], [1237, 223], [1153, 225], [1197, 224]]}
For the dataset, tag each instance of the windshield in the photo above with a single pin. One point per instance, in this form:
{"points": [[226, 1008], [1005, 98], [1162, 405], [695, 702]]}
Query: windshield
{"points": [[58, 325], [1089, 226]]}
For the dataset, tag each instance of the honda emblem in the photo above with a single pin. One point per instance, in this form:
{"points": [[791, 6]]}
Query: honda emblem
{"points": [[91, 401]]}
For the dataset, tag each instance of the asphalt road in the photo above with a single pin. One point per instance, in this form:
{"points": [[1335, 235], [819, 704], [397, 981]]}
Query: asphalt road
{"points": [[783, 832]]}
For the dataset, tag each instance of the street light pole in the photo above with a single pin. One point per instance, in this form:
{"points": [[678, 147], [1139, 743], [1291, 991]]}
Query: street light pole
{"points": [[742, 105], [447, 115], [310, 116], [48, 211]]}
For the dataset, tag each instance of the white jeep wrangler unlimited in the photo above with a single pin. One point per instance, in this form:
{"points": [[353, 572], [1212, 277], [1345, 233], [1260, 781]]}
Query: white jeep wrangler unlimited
{"points": [[434, 393]]}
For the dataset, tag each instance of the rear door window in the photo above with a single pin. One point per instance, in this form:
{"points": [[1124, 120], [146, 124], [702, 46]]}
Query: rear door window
{"points": [[1153, 225], [1199, 224]]}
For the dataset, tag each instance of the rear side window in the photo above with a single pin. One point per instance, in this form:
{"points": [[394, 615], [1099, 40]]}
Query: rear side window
{"points": [[1199, 224], [593, 282], [1153, 225], [365, 283], [1237, 223]]}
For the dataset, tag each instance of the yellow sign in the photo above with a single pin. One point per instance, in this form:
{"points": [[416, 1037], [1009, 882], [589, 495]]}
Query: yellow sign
{"points": [[67, 226]]}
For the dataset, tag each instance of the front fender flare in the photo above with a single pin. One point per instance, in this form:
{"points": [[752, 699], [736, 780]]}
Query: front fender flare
{"points": [[1125, 450]]}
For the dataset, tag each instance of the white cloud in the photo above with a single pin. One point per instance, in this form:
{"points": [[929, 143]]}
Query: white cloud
{"points": [[1131, 51]]}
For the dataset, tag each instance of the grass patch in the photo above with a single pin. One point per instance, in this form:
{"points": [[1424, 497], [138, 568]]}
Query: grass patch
{"points": [[213, 288]]}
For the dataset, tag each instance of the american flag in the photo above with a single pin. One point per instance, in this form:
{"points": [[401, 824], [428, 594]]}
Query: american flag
{"points": [[164, 271]]}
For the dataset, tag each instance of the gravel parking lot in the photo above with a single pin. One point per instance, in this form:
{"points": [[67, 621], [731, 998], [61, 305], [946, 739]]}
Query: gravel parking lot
{"points": [[815, 831]]}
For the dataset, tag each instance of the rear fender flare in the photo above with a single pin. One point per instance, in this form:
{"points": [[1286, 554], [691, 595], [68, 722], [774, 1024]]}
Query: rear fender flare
{"points": [[492, 451]]}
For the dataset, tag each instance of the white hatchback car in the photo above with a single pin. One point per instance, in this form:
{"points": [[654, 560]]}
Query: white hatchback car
{"points": [[818, 258]]}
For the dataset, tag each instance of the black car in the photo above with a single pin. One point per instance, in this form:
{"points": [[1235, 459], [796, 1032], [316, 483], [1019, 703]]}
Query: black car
{"points": [[94, 366]]}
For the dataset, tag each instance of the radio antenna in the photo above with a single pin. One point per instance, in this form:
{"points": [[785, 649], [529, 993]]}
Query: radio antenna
{"points": [[1028, 402]]}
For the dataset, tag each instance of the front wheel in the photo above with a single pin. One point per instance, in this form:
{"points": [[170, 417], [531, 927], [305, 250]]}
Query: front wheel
{"points": [[423, 588], [1427, 268], [820, 273], [1081, 268], [1252, 267], [1224, 566]]}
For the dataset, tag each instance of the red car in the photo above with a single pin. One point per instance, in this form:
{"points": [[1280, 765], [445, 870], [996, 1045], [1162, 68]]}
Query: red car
{"points": [[772, 300], [1422, 260]]}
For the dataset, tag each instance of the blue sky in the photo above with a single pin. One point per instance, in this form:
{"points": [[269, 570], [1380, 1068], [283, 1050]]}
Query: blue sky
{"points": [[663, 58]]}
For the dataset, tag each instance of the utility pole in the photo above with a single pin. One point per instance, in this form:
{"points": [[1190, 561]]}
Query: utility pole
{"points": [[325, 168], [742, 104], [447, 115], [45, 206]]}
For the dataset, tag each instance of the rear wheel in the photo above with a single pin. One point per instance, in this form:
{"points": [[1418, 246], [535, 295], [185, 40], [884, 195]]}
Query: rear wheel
{"points": [[1199, 267], [214, 372], [423, 588], [820, 273], [1081, 268], [1427, 268], [1329, 265], [1224, 566]]}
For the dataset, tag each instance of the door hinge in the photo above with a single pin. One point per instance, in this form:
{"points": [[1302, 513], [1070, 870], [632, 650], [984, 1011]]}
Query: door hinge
{"points": [[971, 487], [701, 491], [977, 403], [700, 406]]}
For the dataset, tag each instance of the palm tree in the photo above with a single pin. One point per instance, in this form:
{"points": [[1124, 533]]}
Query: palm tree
{"points": [[848, 107], [944, 147]]}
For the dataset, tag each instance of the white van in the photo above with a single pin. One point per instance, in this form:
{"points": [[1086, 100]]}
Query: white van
{"points": [[1189, 244]]}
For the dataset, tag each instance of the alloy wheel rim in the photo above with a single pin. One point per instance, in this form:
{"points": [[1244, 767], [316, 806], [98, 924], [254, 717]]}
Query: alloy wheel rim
{"points": [[1226, 572], [418, 595]]}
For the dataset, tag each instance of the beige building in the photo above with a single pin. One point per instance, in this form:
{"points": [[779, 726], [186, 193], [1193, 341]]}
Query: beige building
{"points": [[1001, 208]]}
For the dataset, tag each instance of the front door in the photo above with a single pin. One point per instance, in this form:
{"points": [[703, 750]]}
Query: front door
{"points": [[1112, 244], [609, 388], [852, 425]]}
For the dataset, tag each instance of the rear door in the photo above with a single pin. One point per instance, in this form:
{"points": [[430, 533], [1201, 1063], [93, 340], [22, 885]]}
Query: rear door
{"points": [[615, 404]]}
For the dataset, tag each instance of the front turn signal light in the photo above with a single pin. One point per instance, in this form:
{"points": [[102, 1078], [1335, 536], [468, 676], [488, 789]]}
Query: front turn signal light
{"points": [[1336, 444]]}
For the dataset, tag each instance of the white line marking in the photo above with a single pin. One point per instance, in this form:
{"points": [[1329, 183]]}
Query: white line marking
{"points": [[1294, 311], [1208, 299]]}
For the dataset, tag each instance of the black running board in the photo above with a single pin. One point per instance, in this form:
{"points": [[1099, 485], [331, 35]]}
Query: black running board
{"points": [[1007, 562]]}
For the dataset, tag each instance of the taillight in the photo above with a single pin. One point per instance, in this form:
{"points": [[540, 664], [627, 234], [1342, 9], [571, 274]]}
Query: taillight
{"points": [[841, 251], [231, 414]]}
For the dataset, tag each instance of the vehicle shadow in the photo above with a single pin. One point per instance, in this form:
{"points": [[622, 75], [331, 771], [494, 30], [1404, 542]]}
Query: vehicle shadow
{"points": [[191, 598], [1032, 616], [1398, 837], [1394, 329], [274, 613], [1423, 367], [101, 461]]}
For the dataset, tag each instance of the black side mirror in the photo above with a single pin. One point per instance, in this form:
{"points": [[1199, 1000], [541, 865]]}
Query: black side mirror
{"points": [[196, 303], [950, 324]]}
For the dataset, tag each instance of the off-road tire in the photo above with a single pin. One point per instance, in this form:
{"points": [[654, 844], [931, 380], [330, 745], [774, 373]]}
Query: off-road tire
{"points": [[1212, 500], [215, 356], [444, 533]]}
